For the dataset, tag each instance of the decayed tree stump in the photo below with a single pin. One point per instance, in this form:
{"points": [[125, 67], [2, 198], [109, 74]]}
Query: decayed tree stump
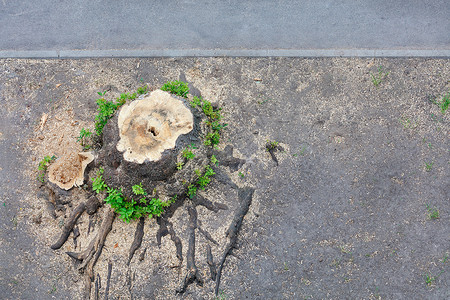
{"points": [[142, 145], [143, 142]]}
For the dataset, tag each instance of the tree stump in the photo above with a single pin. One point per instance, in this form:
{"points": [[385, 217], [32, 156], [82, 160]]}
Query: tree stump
{"points": [[154, 149], [144, 141]]}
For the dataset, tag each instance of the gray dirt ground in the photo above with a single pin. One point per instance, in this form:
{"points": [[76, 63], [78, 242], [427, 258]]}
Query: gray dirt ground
{"points": [[343, 216]]}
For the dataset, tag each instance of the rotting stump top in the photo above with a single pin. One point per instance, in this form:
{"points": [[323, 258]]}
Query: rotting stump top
{"points": [[151, 125]]}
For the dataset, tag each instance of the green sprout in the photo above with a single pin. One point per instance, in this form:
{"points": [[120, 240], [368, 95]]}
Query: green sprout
{"points": [[433, 213], [106, 109], [138, 189], [176, 87], [271, 145], [43, 165], [212, 139], [445, 103], [377, 79], [187, 153], [214, 160], [196, 102], [192, 191], [98, 185], [84, 135], [130, 209], [142, 90]]}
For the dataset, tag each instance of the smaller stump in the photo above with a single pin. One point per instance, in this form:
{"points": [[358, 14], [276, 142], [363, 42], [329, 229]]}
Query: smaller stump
{"points": [[68, 170]]}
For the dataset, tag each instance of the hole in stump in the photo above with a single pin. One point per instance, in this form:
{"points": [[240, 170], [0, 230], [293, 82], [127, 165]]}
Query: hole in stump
{"points": [[153, 131]]}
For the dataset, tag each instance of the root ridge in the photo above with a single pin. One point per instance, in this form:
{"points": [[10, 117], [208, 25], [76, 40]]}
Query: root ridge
{"points": [[215, 207], [192, 274], [90, 255], [68, 227], [138, 235], [245, 198]]}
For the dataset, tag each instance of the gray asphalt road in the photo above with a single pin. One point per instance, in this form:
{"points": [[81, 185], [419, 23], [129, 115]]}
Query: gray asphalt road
{"points": [[172, 28]]}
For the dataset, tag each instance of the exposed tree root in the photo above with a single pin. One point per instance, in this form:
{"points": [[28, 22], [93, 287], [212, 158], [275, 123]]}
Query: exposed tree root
{"points": [[91, 254], [56, 194], [129, 282], [272, 149], [142, 255], [98, 246], [245, 199], [92, 204], [91, 224], [51, 209], [169, 211], [227, 159], [52, 196], [165, 228], [69, 226], [272, 154], [215, 207], [176, 240], [192, 271], [97, 286], [221, 206], [87, 288], [76, 234], [206, 233], [54, 203], [210, 261], [138, 235], [223, 177], [162, 231], [108, 280]]}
